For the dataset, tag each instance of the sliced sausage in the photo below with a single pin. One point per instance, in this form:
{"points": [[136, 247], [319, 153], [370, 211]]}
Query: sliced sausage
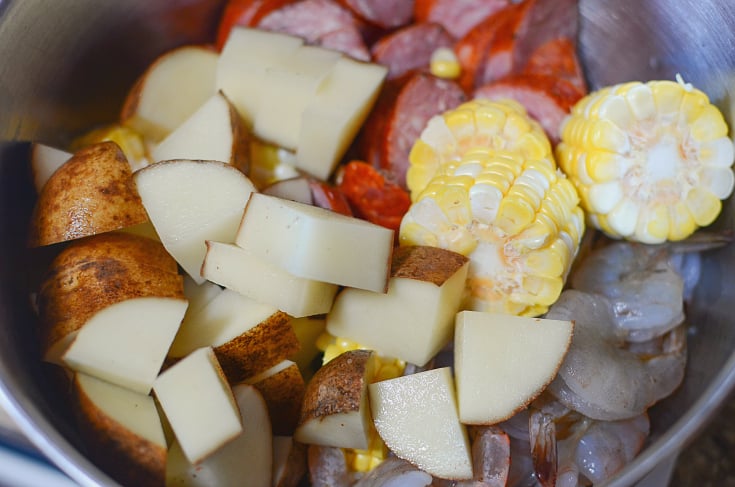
{"points": [[410, 47], [499, 59], [546, 20], [405, 106], [246, 13], [546, 98], [457, 16], [371, 196], [386, 14], [517, 32], [472, 49], [558, 58], [320, 22]]}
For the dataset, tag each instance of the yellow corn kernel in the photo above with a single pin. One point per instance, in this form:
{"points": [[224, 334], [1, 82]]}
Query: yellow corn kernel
{"points": [[496, 125], [366, 460], [650, 161], [129, 141], [270, 163], [517, 220], [444, 63]]}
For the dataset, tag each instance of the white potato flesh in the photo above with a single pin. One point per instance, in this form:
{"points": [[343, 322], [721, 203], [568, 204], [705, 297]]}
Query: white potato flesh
{"points": [[334, 116], [412, 321], [207, 135], [279, 367], [249, 456], [45, 160], [282, 446], [416, 416], [199, 294], [127, 342], [344, 430], [502, 362], [134, 411], [315, 243], [294, 189], [199, 404], [243, 62], [289, 90], [173, 88], [242, 271], [190, 202], [228, 315]]}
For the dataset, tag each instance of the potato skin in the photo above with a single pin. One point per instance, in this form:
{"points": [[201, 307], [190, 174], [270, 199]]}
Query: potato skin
{"points": [[424, 263], [337, 386], [283, 393], [258, 349], [127, 457], [92, 193], [96, 272]]}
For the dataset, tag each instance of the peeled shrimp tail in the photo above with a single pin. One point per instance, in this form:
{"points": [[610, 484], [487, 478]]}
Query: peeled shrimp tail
{"points": [[394, 472], [542, 437], [490, 457], [521, 473]]}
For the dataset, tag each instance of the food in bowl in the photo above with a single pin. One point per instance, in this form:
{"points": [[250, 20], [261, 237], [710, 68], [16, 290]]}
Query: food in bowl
{"points": [[326, 96]]}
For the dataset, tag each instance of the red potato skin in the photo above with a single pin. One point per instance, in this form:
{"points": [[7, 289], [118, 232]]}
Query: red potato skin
{"points": [[410, 47], [404, 107], [547, 99], [245, 13], [386, 14], [319, 22], [458, 17]]}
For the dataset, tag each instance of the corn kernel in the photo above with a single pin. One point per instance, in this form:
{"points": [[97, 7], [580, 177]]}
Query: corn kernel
{"points": [[444, 63], [129, 141]]}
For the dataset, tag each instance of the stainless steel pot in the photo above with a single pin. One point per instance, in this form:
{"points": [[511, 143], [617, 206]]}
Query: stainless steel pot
{"points": [[67, 63]]}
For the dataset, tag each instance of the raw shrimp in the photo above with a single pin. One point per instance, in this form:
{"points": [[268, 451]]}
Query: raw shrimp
{"points": [[553, 433], [645, 290], [570, 449], [328, 467], [603, 379], [490, 459], [394, 472], [607, 446]]}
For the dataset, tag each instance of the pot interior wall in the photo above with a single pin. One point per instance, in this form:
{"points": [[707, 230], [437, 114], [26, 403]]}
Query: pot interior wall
{"points": [[67, 65]]}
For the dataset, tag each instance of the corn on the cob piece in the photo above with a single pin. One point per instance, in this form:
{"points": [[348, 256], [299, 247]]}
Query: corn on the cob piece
{"points": [[386, 368], [517, 219], [651, 161], [130, 141], [499, 125]]}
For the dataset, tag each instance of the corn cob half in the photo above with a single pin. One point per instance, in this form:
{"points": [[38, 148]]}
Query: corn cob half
{"points": [[517, 219], [651, 161], [499, 125]]}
